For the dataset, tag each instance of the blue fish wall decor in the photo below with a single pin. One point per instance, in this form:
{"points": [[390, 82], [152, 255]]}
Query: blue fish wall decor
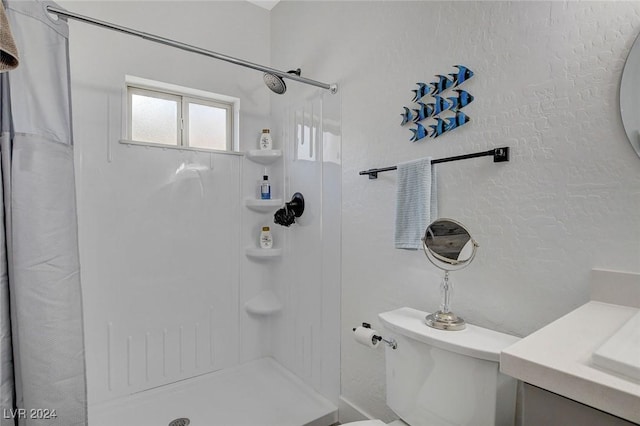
{"points": [[418, 133], [441, 85], [440, 104], [425, 111], [461, 76], [460, 119], [407, 116], [422, 90], [439, 128], [463, 99]]}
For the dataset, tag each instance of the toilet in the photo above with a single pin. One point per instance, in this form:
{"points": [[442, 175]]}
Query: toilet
{"points": [[437, 378]]}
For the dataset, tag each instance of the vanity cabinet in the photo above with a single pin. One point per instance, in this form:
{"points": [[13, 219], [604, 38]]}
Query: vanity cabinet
{"points": [[541, 407], [565, 386]]}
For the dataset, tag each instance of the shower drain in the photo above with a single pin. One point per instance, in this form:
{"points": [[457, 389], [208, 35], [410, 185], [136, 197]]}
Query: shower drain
{"points": [[180, 422]]}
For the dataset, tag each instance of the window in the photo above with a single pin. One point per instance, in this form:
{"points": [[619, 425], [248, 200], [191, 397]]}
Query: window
{"points": [[170, 115]]}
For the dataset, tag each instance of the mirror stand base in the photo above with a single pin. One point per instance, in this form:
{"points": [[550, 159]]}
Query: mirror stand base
{"points": [[445, 321]]}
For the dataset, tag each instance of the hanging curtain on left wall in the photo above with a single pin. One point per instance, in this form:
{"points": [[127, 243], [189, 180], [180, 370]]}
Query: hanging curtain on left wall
{"points": [[42, 365]]}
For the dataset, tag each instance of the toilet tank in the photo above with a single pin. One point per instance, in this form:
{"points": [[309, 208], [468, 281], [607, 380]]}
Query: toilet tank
{"points": [[437, 378]]}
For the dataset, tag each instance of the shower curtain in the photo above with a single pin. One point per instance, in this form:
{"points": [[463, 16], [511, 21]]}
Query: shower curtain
{"points": [[42, 365]]}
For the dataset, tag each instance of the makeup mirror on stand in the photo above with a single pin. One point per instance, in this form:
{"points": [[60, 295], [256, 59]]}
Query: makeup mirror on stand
{"points": [[449, 246]]}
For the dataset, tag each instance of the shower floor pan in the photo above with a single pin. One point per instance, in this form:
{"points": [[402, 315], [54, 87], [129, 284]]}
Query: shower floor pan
{"points": [[258, 393]]}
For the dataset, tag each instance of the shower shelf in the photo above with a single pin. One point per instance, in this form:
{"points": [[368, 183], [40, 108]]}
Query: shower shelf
{"points": [[260, 253], [265, 303], [260, 205], [264, 156]]}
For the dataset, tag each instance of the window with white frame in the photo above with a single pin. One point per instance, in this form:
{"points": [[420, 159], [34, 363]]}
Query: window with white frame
{"points": [[172, 117]]}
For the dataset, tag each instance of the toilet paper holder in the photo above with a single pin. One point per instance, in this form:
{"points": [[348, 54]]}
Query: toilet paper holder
{"points": [[391, 342]]}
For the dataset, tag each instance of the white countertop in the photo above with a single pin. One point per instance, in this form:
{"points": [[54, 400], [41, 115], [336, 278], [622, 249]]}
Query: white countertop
{"points": [[558, 358]]}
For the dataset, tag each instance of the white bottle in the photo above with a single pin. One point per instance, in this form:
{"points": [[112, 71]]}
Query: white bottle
{"points": [[266, 240], [265, 139]]}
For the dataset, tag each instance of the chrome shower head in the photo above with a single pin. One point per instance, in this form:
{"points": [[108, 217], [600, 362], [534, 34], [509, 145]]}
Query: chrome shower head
{"points": [[276, 83]]}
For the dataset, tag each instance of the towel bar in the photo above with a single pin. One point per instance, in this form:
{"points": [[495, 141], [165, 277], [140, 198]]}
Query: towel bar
{"points": [[499, 155]]}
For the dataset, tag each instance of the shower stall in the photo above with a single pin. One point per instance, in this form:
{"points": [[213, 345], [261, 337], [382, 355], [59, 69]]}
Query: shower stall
{"points": [[185, 319]]}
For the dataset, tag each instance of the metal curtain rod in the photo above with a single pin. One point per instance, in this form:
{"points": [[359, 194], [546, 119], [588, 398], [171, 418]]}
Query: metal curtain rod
{"points": [[499, 155], [333, 88]]}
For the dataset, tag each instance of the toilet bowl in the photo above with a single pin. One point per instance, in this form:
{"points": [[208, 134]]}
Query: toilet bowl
{"points": [[444, 378]]}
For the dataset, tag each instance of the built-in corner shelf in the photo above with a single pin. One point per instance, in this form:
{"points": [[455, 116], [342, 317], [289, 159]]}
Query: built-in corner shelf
{"points": [[265, 303], [260, 253], [264, 156], [263, 206]]}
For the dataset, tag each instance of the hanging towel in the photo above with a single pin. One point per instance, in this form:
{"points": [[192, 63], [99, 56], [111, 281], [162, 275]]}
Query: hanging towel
{"points": [[8, 50], [417, 202]]}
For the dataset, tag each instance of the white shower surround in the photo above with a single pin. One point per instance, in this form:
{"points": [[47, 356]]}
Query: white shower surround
{"points": [[160, 292], [160, 289], [163, 232]]}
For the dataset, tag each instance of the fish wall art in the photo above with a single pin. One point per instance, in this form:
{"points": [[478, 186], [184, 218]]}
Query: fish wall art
{"points": [[461, 76], [419, 132], [441, 85], [422, 90], [462, 100], [406, 116], [440, 104], [444, 99], [439, 128], [460, 119], [425, 111]]}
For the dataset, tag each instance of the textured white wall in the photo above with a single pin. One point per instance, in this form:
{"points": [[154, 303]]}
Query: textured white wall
{"points": [[546, 84]]}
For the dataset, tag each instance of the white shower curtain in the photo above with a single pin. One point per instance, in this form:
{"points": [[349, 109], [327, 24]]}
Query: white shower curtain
{"points": [[42, 365]]}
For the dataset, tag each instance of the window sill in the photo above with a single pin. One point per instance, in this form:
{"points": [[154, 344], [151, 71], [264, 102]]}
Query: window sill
{"points": [[179, 148]]}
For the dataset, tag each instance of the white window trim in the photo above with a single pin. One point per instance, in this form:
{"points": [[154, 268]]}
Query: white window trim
{"points": [[190, 94]]}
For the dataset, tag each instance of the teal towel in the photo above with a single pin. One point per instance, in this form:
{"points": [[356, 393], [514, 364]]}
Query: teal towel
{"points": [[417, 202]]}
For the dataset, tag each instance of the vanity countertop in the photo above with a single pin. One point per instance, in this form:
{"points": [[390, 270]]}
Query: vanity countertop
{"points": [[558, 358]]}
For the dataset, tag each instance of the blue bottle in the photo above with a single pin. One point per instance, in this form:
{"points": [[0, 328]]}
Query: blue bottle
{"points": [[265, 188]]}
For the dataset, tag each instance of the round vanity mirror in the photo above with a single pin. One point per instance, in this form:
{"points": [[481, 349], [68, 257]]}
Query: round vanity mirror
{"points": [[449, 246], [630, 96]]}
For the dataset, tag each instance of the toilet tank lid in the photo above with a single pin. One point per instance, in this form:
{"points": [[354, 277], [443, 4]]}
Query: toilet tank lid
{"points": [[473, 341]]}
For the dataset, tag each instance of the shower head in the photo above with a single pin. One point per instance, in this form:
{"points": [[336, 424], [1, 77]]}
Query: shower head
{"points": [[276, 83]]}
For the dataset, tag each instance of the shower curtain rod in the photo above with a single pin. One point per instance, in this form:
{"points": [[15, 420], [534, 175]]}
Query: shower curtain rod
{"points": [[333, 88]]}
